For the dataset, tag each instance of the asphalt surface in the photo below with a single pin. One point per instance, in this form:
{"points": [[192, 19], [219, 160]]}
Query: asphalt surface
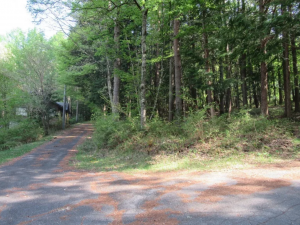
{"points": [[40, 188]]}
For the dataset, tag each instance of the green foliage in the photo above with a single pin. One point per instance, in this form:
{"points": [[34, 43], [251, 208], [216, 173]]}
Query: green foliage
{"points": [[196, 142], [111, 133], [24, 132], [9, 154]]}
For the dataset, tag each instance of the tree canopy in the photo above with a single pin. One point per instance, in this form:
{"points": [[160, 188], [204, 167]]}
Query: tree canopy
{"points": [[167, 58]]}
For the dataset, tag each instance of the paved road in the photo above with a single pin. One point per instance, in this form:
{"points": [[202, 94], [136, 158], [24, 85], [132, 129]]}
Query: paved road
{"points": [[40, 188]]}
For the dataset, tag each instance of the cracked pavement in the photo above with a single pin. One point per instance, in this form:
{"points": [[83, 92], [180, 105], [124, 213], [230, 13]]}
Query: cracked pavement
{"points": [[40, 188]]}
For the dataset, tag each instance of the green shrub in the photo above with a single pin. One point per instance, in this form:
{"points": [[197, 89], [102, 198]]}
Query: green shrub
{"points": [[110, 132], [88, 146], [25, 132]]}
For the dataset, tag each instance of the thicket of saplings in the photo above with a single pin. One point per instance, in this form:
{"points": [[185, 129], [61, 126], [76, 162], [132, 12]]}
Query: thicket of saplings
{"points": [[242, 132]]}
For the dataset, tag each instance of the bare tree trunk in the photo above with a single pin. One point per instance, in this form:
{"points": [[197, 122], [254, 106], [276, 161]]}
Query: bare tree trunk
{"points": [[222, 91], [117, 65], [263, 67], [286, 81], [243, 77], [70, 104], [250, 72], [144, 67], [256, 101], [157, 69], [214, 93], [109, 86], [243, 68], [207, 66], [133, 74], [171, 82], [228, 91], [264, 89], [249, 94], [295, 70], [280, 88], [177, 60], [159, 65], [286, 70]]}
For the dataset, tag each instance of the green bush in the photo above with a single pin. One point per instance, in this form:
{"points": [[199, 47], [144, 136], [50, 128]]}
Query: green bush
{"points": [[25, 132], [240, 131], [110, 132]]}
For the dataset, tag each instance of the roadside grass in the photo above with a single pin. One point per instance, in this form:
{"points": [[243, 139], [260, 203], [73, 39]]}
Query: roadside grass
{"points": [[10, 154], [142, 162], [21, 149], [197, 143]]}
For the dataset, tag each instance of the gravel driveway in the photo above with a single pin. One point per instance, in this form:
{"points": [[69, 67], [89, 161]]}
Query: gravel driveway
{"points": [[40, 188]]}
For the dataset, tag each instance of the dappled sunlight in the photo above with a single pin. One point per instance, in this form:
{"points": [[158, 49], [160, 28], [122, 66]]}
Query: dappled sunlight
{"points": [[49, 189]]}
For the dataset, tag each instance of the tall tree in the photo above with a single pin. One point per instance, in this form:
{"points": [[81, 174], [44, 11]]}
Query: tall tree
{"points": [[178, 69]]}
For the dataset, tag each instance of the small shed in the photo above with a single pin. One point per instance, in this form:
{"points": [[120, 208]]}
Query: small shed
{"points": [[59, 107]]}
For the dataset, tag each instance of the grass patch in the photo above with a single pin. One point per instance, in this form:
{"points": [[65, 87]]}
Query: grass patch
{"points": [[116, 160], [196, 143], [15, 152]]}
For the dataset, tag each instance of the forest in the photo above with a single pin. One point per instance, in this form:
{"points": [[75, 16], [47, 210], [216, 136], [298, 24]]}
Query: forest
{"points": [[160, 75]]}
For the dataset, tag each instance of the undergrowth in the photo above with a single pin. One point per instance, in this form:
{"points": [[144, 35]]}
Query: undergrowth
{"points": [[193, 143], [10, 154], [25, 132]]}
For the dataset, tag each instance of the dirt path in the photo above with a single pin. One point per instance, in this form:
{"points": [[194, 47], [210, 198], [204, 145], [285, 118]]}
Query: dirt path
{"points": [[40, 188]]}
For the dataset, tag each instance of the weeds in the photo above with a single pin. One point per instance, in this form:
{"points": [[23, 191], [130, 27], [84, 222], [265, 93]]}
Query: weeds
{"points": [[195, 142]]}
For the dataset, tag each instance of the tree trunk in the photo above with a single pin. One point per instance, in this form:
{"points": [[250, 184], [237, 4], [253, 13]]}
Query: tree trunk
{"points": [[178, 70], [243, 77], [295, 70], [250, 72], [171, 86], [207, 66], [286, 79], [263, 67], [157, 68], [117, 65], [109, 86], [280, 88], [144, 68], [221, 88], [256, 101], [159, 65], [237, 98], [228, 91], [264, 89], [243, 67]]}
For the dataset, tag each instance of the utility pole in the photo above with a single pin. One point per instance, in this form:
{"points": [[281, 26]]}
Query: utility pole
{"points": [[64, 110]]}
